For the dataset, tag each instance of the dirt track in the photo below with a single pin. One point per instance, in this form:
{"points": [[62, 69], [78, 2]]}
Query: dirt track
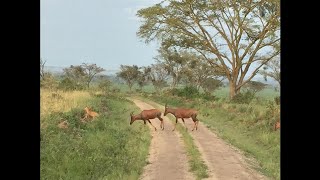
{"points": [[167, 156], [223, 161]]}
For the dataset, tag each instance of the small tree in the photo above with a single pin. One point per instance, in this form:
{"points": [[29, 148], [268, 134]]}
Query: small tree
{"points": [[90, 71], [48, 81], [173, 62], [129, 74], [104, 83], [272, 70], [74, 76], [211, 84], [142, 79], [255, 86], [83, 74], [158, 76]]}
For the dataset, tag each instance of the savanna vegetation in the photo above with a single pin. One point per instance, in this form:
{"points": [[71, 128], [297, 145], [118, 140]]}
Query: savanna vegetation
{"points": [[208, 57]]}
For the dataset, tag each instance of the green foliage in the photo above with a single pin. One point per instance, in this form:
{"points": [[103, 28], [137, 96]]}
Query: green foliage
{"points": [[48, 81], [104, 84], [277, 100], [255, 86], [244, 97], [129, 74], [67, 84], [200, 26], [106, 148], [211, 84], [82, 75], [189, 92], [251, 130]]}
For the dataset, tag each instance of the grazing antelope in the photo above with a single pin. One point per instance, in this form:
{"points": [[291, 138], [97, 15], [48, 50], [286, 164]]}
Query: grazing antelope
{"points": [[90, 113], [277, 125], [146, 115], [183, 113]]}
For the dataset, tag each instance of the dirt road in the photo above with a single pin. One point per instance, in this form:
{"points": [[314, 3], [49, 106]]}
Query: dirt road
{"points": [[223, 161], [167, 156]]}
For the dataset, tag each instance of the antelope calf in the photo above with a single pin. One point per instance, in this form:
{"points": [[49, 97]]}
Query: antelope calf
{"points": [[277, 125], [90, 113], [146, 115], [183, 113]]}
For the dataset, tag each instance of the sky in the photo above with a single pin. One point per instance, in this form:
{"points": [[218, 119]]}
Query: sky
{"points": [[99, 31]]}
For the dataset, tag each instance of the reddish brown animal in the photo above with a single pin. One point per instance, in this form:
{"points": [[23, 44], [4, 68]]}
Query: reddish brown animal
{"points": [[183, 113], [277, 125], [146, 115]]}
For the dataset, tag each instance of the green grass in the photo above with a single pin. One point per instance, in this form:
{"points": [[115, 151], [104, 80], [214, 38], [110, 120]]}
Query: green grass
{"points": [[107, 148], [197, 165], [125, 88], [244, 126]]}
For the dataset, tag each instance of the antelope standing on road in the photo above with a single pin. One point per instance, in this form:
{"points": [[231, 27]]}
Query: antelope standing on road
{"points": [[146, 115], [183, 113]]}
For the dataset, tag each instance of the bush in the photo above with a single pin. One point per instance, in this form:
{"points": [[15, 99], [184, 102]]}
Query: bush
{"points": [[244, 97], [173, 91], [189, 92], [208, 97], [277, 100]]}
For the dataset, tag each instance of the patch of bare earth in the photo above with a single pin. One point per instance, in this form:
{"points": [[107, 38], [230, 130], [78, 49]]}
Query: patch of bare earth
{"points": [[167, 156], [224, 162]]}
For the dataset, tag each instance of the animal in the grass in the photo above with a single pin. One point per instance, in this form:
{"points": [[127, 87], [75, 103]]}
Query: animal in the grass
{"points": [[90, 113], [183, 113], [146, 115], [277, 125]]}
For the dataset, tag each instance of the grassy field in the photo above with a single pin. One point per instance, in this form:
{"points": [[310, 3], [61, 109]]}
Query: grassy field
{"points": [[107, 148], [247, 127], [197, 165]]}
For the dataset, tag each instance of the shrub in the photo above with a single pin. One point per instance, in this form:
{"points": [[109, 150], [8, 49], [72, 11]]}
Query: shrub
{"points": [[244, 97], [189, 92]]}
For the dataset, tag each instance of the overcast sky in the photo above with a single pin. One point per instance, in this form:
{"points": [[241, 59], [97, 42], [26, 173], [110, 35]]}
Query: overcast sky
{"points": [[99, 31]]}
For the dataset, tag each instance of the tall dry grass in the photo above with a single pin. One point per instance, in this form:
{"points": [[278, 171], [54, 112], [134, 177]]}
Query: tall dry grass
{"points": [[60, 101]]}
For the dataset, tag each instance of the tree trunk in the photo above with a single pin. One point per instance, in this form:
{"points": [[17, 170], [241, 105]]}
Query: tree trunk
{"points": [[174, 82], [232, 87]]}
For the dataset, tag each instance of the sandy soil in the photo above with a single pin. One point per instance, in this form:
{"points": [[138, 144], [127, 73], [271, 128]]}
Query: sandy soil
{"points": [[169, 161], [167, 156]]}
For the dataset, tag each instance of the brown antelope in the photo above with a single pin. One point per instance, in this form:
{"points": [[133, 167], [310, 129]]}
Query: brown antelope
{"points": [[90, 113], [146, 115], [183, 113], [277, 125]]}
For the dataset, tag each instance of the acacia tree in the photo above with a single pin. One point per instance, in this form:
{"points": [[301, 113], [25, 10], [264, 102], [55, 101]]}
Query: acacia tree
{"points": [[235, 36], [173, 63], [157, 74], [129, 74], [272, 70], [142, 79], [90, 71], [82, 75], [198, 70]]}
